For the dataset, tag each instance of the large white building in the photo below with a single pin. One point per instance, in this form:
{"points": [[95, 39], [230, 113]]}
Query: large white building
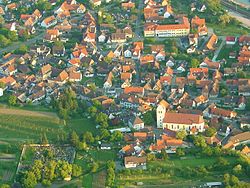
{"points": [[178, 121], [160, 112], [181, 121], [169, 30]]}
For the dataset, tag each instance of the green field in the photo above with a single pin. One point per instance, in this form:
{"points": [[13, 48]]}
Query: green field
{"points": [[81, 125], [170, 173], [229, 30], [21, 128], [26, 125]]}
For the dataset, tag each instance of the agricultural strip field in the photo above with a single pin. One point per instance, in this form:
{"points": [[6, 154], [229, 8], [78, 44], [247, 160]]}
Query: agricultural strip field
{"points": [[19, 126], [22, 125]]}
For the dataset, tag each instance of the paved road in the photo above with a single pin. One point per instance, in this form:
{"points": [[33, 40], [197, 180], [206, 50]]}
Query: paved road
{"points": [[138, 34], [216, 53], [15, 45], [235, 8], [138, 29]]}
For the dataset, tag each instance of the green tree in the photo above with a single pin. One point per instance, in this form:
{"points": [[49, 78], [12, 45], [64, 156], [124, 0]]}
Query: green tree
{"points": [[221, 163], [164, 154], [2, 85], [111, 164], [74, 138], [82, 146], [88, 137], [180, 152], [12, 35], [210, 132], [50, 170], [37, 169], [76, 170], [12, 101], [241, 74], [181, 134], [116, 136], [30, 180], [97, 104], [102, 119], [22, 49], [195, 63], [92, 110], [148, 118], [46, 183], [4, 186], [224, 19], [110, 174], [2, 21], [94, 167], [223, 92], [58, 44], [226, 179], [237, 170], [199, 141], [4, 41], [64, 169], [214, 6], [234, 181], [43, 5], [104, 134], [63, 113], [25, 35], [207, 151], [151, 157]]}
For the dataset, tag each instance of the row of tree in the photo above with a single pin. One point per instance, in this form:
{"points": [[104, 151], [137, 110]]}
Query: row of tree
{"points": [[110, 179], [47, 173]]}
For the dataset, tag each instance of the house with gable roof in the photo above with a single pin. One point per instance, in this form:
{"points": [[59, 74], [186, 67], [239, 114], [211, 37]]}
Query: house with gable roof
{"points": [[136, 123]]}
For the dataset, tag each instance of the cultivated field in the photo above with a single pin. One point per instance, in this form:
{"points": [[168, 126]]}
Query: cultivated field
{"points": [[22, 125]]}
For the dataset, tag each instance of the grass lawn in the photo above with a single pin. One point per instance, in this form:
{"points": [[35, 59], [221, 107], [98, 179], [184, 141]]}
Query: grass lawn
{"points": [[229, 30], [103, 156], [224, 54], [82, 125], [170, 176], [87, 181], [100, 178], [7, 171], [99, 81]]}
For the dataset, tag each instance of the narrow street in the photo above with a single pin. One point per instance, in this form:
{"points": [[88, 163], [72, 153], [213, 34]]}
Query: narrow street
{"points": [[216, 53], [138, 29], [138, 34], [16, 45]]}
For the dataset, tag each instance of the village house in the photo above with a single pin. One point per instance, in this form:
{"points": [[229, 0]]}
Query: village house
{"points": [[244, 123], [241, 138], [210, 46], [135, 162], [200, 25], [136, 123], [214, 111], [49, 21]]}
